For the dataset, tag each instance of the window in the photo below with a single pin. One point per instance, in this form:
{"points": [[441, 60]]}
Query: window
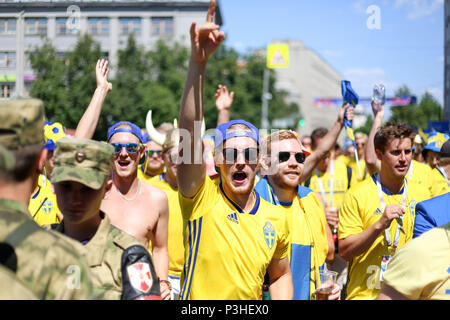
{"points": [[130, 25], [62, 28], [7, 59], [6, 90], [7, 26], [162, 26], [98, 26], [36, 26]]}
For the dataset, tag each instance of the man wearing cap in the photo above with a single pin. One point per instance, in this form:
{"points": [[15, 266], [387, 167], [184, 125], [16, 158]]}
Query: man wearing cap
{"points": [[46, 262], [431, 150], [81, 179], [167, 181], [232, 236], [311, 243], [43, 205], [441, 174], [132, 206]]}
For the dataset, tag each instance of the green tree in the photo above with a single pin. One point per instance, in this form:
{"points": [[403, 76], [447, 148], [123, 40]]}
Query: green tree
{"points": [[50, 83], [429, 109]]}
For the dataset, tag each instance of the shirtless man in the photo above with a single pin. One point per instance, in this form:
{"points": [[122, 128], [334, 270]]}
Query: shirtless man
{"points": [[133, 206]]}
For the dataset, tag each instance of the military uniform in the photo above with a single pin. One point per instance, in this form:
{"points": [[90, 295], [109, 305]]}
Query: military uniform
{"points": [[12, 288], [103, 255], [89, 162], [47, 263]]}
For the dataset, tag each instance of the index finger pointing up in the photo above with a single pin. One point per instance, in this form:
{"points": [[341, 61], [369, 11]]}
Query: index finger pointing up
{"points": [[211, 11]]}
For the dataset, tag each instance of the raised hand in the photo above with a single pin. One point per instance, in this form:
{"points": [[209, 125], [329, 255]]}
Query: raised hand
{"points": [[101, 75], [207, 38], [342, 113], [224, 99]]}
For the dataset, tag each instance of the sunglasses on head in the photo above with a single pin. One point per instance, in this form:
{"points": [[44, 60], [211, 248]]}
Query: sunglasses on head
{"points": [[130, 147], [150, 153], [231, 154], [284, 156]]}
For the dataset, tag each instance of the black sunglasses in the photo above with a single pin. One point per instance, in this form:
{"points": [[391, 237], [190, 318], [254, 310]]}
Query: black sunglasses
{"points": [[231, 154], [284, 156]]}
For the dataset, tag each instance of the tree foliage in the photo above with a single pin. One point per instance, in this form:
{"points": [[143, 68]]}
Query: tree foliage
{"points": [[146, 80]]}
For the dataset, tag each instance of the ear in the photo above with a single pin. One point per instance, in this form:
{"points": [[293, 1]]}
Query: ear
{"points": [[264, 164], [141, 151], [379, 154], [108, 187], [41, 161]]}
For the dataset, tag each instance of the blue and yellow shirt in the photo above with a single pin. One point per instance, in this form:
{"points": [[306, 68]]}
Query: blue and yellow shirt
{"points": [[360, 209], [308, 239], [227, 250], [43, 206]]}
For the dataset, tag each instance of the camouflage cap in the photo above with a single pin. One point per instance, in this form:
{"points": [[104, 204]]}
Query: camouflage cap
{"points": [[21, 124], [82, 160]]}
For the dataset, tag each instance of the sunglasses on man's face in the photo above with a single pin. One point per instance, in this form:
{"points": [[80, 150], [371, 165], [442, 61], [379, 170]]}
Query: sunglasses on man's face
{"points": [[284, 156], [231, 154], [130, 147], [150, 153]]}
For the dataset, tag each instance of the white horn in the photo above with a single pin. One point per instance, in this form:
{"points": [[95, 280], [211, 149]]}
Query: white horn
{"points": [[156, 136], [175, 123]]}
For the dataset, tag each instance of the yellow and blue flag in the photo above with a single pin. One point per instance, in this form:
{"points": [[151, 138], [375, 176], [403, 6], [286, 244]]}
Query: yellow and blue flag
{"points": [[351, 97]]}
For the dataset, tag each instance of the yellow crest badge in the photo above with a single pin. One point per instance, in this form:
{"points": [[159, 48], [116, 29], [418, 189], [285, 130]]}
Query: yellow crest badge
{"points": [[140, 276], [269, 234]]}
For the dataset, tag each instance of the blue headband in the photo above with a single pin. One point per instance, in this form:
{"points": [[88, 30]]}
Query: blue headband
{"points": [[221, 132], [134, 130]]}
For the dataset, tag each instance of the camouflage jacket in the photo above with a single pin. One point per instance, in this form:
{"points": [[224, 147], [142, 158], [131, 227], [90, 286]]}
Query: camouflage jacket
{"points": [[103, 255], [46, 262], [12, 288]]}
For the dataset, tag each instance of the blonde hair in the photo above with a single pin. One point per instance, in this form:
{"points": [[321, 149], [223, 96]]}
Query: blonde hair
{"points": [[275, 137]]}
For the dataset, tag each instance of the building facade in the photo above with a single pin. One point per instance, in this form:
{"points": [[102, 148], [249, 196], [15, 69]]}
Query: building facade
{"points": [[24, 24]]}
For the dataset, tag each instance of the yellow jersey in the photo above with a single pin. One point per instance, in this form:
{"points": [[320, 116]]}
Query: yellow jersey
{"points": [[360, 209], [441, 183], [143, 175], [175, 239], [43, 206], [308, 239], [420, 173], [340, 184], [227, 250]]}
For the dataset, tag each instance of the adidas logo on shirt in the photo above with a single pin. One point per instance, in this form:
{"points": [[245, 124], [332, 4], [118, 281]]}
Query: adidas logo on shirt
{"points": [[233, 217], [377, 212]]}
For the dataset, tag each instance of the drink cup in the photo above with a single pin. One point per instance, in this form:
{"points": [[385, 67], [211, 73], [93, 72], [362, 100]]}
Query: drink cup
{"points": [[325, 284], [379, 95]]}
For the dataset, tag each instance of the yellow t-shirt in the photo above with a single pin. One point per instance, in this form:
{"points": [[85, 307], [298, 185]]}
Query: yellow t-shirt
{"points": [[421, 174], [421, 269], [142, 175], [309, 244], [227, 250], [440, 184], [175, 239], [43, 206], [341, 184], [359, 211]]}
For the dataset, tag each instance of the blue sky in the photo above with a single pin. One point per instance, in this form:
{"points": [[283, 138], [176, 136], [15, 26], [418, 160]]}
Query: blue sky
{"points": [[408, 48]]}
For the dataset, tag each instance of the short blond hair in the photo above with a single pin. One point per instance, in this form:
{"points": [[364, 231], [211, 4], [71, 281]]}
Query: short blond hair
{"points": [[275, 137]]}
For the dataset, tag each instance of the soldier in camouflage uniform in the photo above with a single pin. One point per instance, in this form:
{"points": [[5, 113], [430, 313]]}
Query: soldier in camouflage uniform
{"points": [[49, 264], [15, 289], [81, 179]]}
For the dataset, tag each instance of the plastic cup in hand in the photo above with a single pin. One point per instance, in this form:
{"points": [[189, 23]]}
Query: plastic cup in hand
{"points": [[379, 96], [325, 284]]}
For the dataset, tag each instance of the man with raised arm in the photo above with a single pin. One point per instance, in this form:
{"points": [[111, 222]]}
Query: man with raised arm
{"points": [[418, 172], [232, 236], [132, 205]]}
